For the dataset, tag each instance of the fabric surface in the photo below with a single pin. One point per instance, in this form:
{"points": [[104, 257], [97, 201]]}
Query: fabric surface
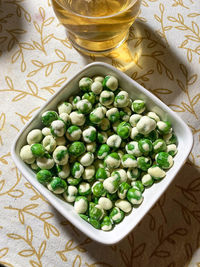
{"points": [[163, 54]]}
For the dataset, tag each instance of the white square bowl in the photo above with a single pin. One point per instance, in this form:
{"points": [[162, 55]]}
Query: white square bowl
{"points": [[151, 195]]}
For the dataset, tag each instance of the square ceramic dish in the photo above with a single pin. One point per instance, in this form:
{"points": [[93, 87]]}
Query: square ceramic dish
{"points": [[151, 195]]}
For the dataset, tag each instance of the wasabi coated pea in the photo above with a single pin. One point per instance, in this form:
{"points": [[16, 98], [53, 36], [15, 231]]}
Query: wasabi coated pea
{"points": [[90, 97], [106, 224], [95, 211], [145, 125], [102, 174], [97, 87], [64, 107], [45, 163], [138, 106], [96, 224], [89, 134], [105, 203], [147, 180], [65, 118], [156, 172], [58, 128], [115, 125], [73, 133], [133, 149], [85, 84], [81, 204], [77, 170], [164, 127], [70, 193], [112, 161], [106, 98], [91, 147], [135, 135], [57, 185], [49, 143], [63, 171], [153, 135], [123, 205], [26, 154], [104, 125], [89, 173], [129, 161], [113, 115], [77, 118], [46, 131], [159, 145], [97, 115], [138, 185], [84, 189], [170, 138], [60, 155], [34, 136], [133, 174], [116, 215], [84, 217], [121, 99], [144, 163], [164, 160], [172, 150], [134, 119], [38, 150], [74, 101], [86, 159], [48, 117], [124, 130], [77, 148], [84, 106], [134, 196], [98, 189], [98, 79], [153, 116], [145, 146], [102, 137], [110, 83], [74, 181], [35, 167], [103, 151], [44, 177], [121, 174], [123, 189], [113, 197], [114, 141], [111, 184], [125, 114]]}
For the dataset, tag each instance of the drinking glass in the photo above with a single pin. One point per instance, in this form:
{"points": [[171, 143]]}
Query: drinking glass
{"points": [[97, 25]]}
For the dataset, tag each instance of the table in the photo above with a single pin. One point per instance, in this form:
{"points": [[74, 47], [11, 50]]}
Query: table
{"points": [[163, 54]]}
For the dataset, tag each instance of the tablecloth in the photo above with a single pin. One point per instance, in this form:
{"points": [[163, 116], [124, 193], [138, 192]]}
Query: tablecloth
{"points": [[163, 54]]}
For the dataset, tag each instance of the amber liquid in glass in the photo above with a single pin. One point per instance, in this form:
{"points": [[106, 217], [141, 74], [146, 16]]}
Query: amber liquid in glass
{"points": [[97, 25]]}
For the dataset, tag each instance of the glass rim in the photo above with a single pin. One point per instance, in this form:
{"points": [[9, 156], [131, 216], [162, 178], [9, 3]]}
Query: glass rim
{"points": [[102, 17]]}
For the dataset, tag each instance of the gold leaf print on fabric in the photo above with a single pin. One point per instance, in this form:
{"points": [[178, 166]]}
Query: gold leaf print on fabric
{"points": [[36, 195], [192, 40], [30, 251], [74, 229], [77, 261], [191, 191], [43, 217], [56, 84], [3, 253], [69, 247], [164, 29], [32, 87], [179, 3], [25, 118], [20, 9], [98, 264], [48, 68], [2, 124]]}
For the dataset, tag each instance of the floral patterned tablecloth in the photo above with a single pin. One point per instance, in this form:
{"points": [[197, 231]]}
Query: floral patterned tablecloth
{"points": [[163, 54]]}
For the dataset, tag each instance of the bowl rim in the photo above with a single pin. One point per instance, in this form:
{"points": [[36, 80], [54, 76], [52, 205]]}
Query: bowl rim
{"points": [[42, 189]]}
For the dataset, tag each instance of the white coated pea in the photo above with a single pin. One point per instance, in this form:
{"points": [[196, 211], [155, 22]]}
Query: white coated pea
{"points": [[145, 125], [77, 118], [89, 172], [114, 141], [89, 134], [65, 117], [121, 100], [105, 203], [58, 128], [26, 154], [123, 205], [46, 131], [34, 136], [97, 87], [91, 147], [49, 143], [64, 172], [64, 107], [87, 159], [60, 155], [134, 119], [153, 116], [45, 163], [80, 206], [156, 172], [60, 141], [70, 194]]}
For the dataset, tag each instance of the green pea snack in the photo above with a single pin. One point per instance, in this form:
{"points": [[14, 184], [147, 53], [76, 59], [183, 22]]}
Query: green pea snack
{"points": [[100, 150]]}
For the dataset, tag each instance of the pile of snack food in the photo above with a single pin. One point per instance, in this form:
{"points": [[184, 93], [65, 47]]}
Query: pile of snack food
{"points": [[101, 150]]}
